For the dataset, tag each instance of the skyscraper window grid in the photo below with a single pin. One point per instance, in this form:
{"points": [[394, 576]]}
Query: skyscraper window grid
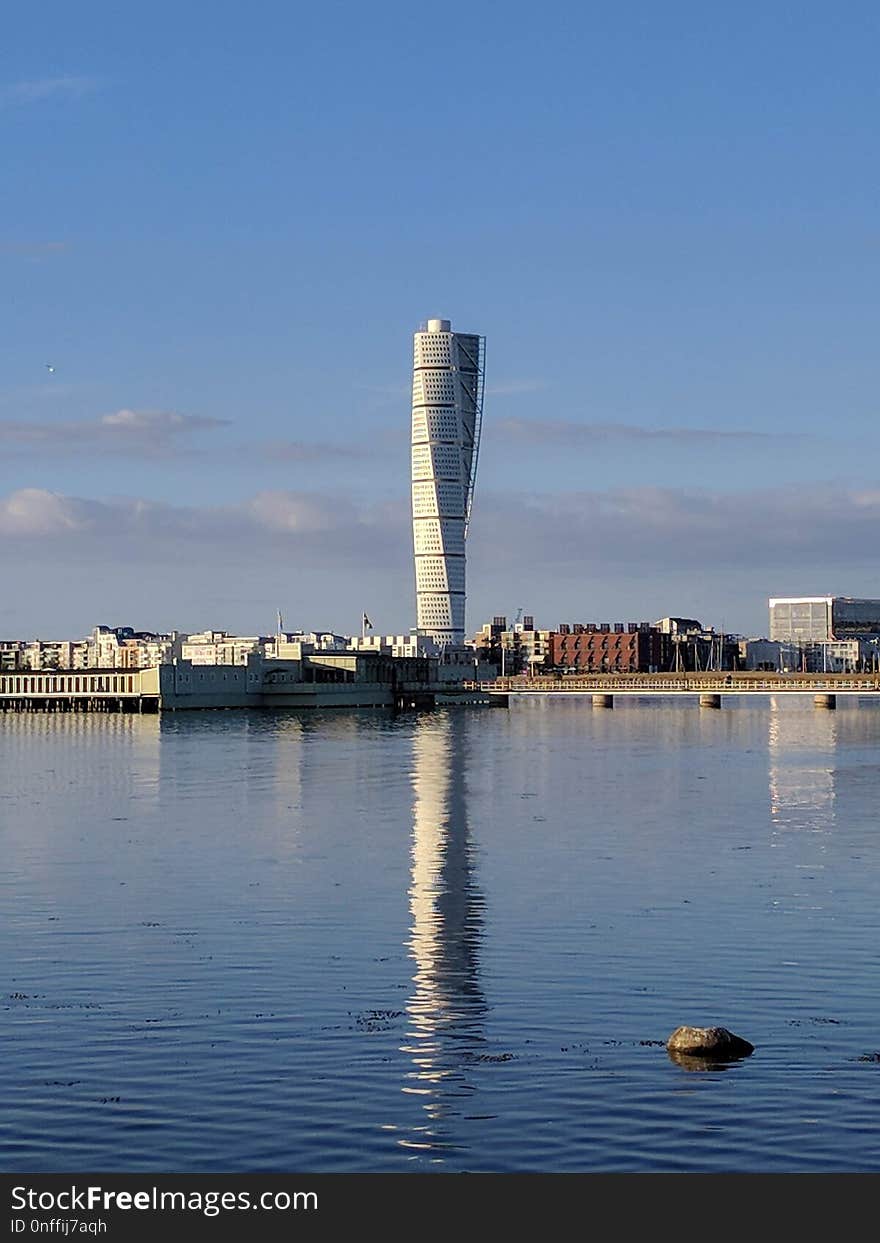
{"points": [[447, 407]]}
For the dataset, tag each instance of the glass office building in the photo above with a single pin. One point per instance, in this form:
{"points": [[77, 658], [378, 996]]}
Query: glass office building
{"points": [[822, 619], [855, 619]]}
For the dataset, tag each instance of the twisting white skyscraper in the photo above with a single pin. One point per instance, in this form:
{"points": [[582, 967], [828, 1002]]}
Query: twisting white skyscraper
{"points": [[447, 410]]}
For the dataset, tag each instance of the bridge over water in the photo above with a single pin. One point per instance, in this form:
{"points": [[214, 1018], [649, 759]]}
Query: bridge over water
{"points": [[707, 688]]}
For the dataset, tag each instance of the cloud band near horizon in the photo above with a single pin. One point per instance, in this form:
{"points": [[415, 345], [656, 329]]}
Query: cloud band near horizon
{"points": [[618, 531]]}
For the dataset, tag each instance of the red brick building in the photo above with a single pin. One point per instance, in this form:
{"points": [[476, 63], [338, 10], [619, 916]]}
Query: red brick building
{"points": [[635, 648]]}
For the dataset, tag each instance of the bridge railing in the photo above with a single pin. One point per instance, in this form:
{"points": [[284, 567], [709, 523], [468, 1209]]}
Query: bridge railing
{"points": [[717, 683]]}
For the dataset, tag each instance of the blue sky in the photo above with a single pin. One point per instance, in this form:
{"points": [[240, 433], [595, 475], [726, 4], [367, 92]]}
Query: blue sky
{"points": [[221, 227]]}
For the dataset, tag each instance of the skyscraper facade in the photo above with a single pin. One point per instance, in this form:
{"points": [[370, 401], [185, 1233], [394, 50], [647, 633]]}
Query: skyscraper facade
{"points": [[447, 410]]}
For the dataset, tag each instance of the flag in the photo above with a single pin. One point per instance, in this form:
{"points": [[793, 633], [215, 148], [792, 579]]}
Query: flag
{"points": [[280, 622], [368, 625]]}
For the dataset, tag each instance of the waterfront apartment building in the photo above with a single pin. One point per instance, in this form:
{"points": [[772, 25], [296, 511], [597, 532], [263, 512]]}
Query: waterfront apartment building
{"points": [[121, 647], [447, 408], [42, 654], [107, 647], [216, 647]]}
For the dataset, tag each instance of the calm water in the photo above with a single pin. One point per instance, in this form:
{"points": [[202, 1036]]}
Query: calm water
{"points": [[447, 941]]}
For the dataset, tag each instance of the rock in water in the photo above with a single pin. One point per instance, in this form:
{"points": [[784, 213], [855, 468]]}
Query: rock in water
{"points": [[715, 1042]]}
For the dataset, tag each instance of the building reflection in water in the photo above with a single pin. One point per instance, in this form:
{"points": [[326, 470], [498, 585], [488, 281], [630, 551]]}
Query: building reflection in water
{"points": [[446, 1011], [802, 746], [115, 753]]}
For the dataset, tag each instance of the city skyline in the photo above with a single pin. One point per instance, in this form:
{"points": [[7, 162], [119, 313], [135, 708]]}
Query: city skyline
{"points": [[668, 236]]}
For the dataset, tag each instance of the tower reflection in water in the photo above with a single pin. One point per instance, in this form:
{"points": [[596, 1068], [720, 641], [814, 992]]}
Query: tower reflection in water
{"points": [[446, 1010], [802, 745]]}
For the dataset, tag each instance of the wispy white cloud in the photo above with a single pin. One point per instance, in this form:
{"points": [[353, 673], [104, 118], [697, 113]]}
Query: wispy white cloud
{"points": [[146, 434], [140, 423], [67, 86], [626, 531], [307, 527], [137, 433], [571, 432], [298, 513], [33, 512]]}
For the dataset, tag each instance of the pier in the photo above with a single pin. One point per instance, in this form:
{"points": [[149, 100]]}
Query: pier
{"points": [[322, 682], [80, 690]]}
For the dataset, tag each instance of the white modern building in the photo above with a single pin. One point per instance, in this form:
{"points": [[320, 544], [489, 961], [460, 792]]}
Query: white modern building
{"points": [[392, 645], [216, 647], [447, 409]]}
